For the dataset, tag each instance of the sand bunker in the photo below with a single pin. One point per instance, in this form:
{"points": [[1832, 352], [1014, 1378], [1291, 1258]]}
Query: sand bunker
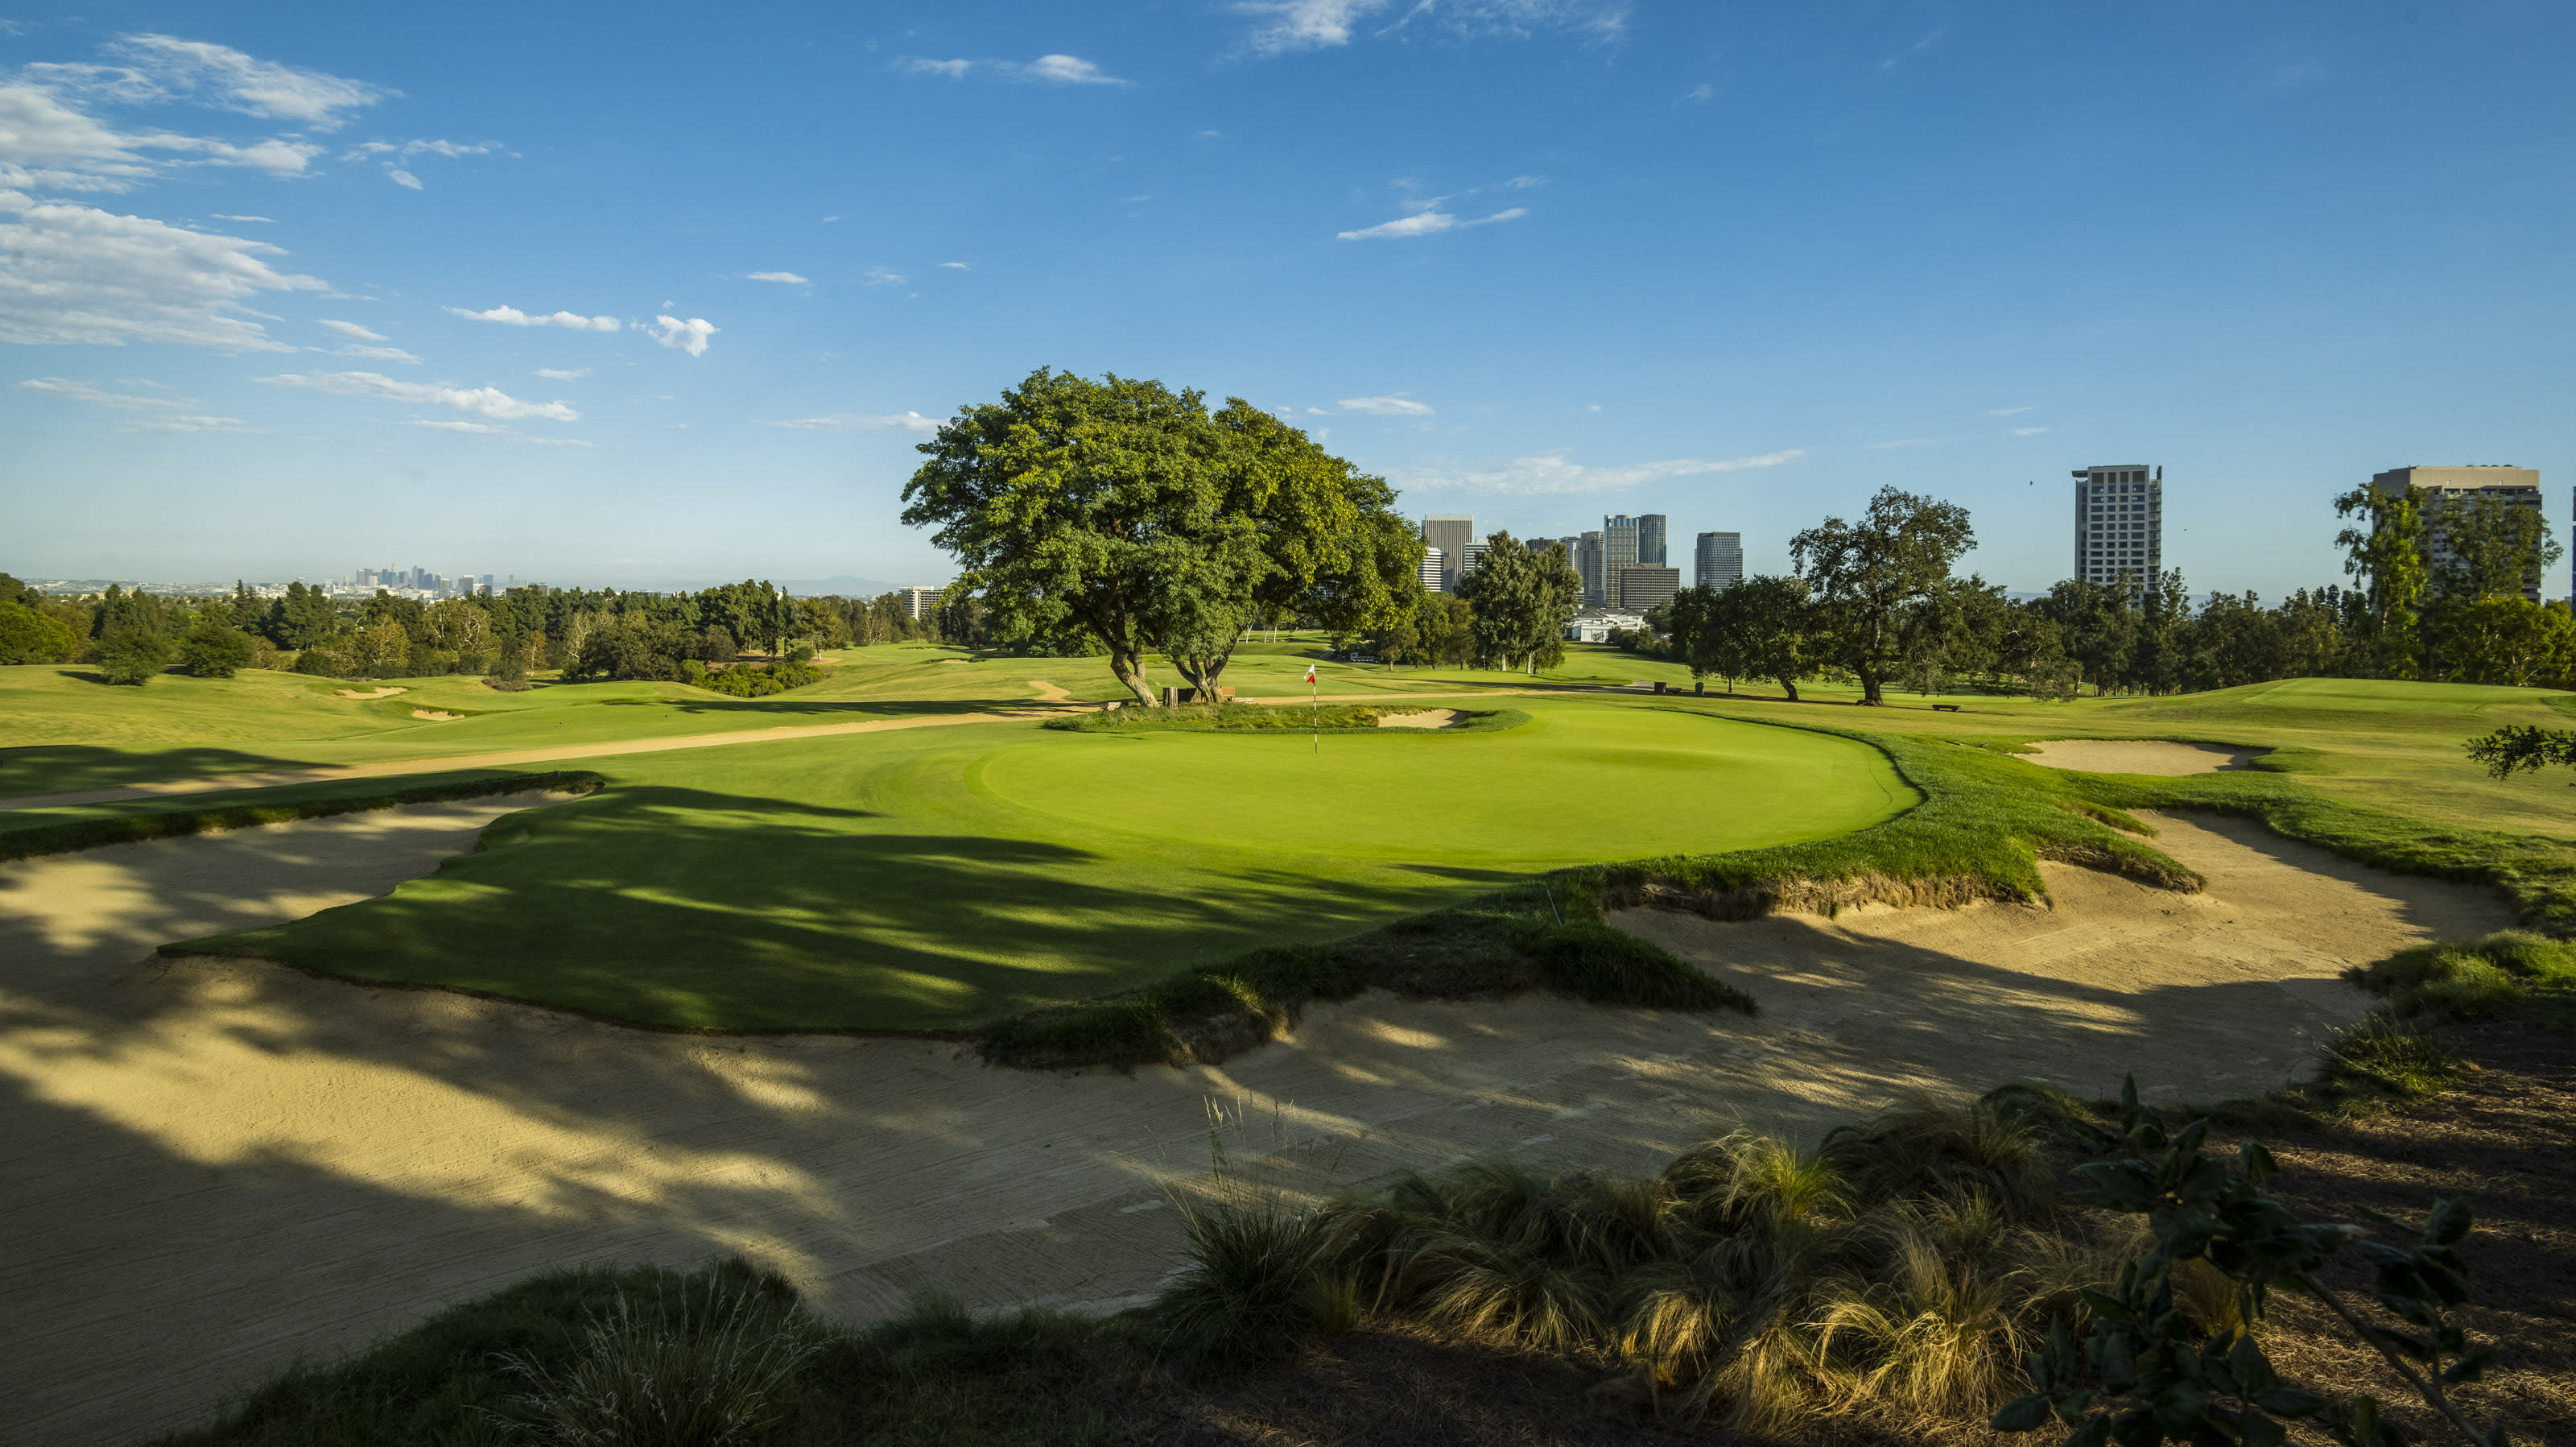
{"points": [[2141, 756], [436, 715], [1429, 718], [371, 692], [218, 1166]]}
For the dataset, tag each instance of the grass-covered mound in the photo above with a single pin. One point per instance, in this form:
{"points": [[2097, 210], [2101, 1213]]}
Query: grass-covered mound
{"points": [[1264, 718], [2513, 975]]}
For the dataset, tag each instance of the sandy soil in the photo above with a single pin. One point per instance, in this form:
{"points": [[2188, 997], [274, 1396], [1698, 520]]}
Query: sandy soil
{"points": [[371, 692], [1049, 692], [2140, 756], [436, 715], [1429, 718], [215, 1167]]}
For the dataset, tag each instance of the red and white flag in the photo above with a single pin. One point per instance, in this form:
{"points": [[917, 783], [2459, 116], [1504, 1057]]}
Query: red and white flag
{"points": [[1310, 673]]}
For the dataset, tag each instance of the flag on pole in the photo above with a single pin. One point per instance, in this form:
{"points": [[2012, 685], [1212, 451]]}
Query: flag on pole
{"points": [[1310, 673]]}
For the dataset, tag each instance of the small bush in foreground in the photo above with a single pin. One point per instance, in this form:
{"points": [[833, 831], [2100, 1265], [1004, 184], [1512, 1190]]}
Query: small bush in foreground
{"points": [[2381, 1052], [710, 1361]]}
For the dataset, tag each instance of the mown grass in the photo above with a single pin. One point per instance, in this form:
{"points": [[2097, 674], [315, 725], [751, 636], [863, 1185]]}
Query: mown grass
{"points": [[28, 833], [1253, 718]]}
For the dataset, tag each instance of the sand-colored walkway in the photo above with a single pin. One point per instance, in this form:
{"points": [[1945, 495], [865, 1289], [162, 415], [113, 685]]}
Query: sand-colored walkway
{"points": [[2140, 756], [210, 1168]]}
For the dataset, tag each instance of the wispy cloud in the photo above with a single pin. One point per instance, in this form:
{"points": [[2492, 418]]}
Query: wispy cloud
{"points": [[510, 316], [376, 354], [403, 178], [784, 278], [479, 429], [162, 414], [1906, 442], [2028, 431], [956, 266], [407, 149], [687, 336], [352, 331], [1287, 26], [1394, 404], [1552, 473], [853, 422], [1427, 222], [1699, 93], [881, 276], [82, 276], [556, 442], [483, 401], [576, 374], [2010, 411], [264, 220], [1911, 51], [1045, 70], [222, 76]]}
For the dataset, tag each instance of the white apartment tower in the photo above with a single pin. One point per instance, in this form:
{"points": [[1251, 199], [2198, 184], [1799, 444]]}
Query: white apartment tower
{"points": [[1720, 563], [1450, 532], [2119, 523], [1432, 572]]}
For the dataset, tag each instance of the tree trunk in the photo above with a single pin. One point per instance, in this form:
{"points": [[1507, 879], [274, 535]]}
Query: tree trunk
{"points": [[1128, 668], [1788, 686], [1869, 695]]}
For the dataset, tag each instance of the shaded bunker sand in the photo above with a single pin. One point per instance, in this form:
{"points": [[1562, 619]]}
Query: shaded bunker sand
{"points": [[221, 1166], [382, 691], [436, 715], [2140, 756]]}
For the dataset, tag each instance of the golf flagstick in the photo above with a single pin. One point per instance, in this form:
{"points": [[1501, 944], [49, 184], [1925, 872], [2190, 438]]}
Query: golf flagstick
{"points": [[1314, 709]]}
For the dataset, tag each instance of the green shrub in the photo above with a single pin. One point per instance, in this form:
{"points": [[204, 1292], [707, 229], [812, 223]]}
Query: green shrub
{"points": [[1254, 1286], [740, 682], [710, 1361], [2381, 1052], [211, 650], [2515, 973], [27, 636], [131, 656]]}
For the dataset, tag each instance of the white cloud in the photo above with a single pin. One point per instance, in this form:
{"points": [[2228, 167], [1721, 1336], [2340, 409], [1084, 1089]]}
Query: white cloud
{"points": [[1393, 405], [478, 428], [1699, 92], [852, 422], [483, 401], [265, 220], [2010, 411], [80, 275], [2028, 431], [1293, 25], [1905, 442], [1426, 222], [1046, 69], [402, 178], [688, 336], [1064, 70], [1551, 473], [510, 316], [788, 278], [353, 331], [235, 81], [378, 354], [956, 266], [163, 414], [574, 375], [421, 148], [882, 276], [557, 442]]}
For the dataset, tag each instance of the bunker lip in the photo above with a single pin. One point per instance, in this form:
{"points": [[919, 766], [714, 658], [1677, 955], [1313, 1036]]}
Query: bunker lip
{"points": [[2159, 757]]}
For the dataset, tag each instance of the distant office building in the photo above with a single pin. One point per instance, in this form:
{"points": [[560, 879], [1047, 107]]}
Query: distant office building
{"points": [[2119, 524], [1450, 532], [1720, 563], [488, 580], [1594, 625], [1641, 588], [1587, 565], [1473, 556], [2452, 486], [920, 599], [1431, 573], [1573, 552], [1650, 539], [1619, 538]]}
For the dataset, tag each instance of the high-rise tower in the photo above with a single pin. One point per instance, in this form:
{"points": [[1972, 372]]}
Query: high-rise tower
{"points": [[1450, 532], [2119, 523], [1720, 563]]}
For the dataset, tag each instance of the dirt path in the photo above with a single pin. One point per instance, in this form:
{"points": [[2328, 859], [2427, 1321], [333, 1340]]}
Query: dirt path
{"points": [[502, 760], [2140, 756], [214, 1167]]}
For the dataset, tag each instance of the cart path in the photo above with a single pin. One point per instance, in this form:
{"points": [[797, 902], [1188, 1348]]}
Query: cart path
{"points": [[216, 1167]]}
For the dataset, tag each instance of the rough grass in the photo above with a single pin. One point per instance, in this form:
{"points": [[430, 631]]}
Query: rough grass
{"points": [[1340, 718], [1508, 942], [2515, 973], [43, 835]]}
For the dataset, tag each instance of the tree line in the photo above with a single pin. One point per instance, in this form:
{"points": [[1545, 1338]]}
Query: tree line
{"points": [[588, 634]]}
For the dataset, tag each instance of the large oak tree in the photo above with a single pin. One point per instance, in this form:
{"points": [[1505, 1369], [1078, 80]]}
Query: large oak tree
{"points": [[1133, 513], [1865, 578]]}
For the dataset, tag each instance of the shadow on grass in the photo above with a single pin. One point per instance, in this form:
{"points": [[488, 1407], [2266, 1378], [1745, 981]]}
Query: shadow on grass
{"points": [[682, 908], [40, 769]]}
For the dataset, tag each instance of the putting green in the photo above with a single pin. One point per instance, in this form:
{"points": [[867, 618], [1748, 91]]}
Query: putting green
{"points": [[1568, 787], [937, 878]]}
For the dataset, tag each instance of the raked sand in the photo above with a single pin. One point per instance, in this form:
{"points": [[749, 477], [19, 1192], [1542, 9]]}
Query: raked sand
{"points": [[209, 1169]]}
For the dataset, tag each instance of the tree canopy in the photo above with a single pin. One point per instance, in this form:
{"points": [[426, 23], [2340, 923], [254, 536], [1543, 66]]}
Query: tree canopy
{"points": [[1863, 577], [1137, 516], [1522, 598]]}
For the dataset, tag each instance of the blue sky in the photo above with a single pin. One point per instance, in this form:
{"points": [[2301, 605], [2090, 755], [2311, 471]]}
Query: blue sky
{"points": [[637, 294]]}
